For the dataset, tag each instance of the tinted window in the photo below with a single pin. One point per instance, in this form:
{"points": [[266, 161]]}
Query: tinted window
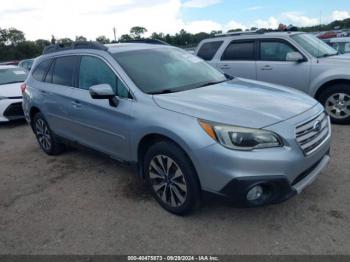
{"points": [[93, 71], [208, 50], [63, 71], [274, 51], [239, 51], [48, 77], [41, 69]]}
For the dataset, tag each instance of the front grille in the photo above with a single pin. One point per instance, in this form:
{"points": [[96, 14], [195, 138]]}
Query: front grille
{"points": [[313, 133], [14, 110]]}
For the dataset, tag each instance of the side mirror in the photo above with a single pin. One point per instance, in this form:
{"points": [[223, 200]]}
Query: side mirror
{"points": [[104, 91], [295, 57]]}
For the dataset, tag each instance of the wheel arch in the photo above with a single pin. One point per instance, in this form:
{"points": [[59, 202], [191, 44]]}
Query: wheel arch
{"points": [[330, 83], [150, 139]]}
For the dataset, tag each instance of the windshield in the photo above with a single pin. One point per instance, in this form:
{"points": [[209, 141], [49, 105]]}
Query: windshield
{"points": [[313, 45], [167, 70], [12, 75]]}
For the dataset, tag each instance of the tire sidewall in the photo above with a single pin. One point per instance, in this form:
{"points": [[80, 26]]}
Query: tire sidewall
{"points": [[37, 117], [338, 88], [176, 154]]}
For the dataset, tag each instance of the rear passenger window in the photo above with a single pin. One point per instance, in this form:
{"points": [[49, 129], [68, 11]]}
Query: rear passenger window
{"points": [[40, 70], [93, 71], [208, 50], [64, 69], [239, 51]]}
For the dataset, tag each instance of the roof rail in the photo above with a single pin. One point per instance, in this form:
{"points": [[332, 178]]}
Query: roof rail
{"points": [[147, 41], [74, 45], [258, 31]]}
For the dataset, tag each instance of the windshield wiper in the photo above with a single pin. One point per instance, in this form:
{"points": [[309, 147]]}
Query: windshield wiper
{"points": [[212, 83], [327, 55], [164, 91], [13, 82]]}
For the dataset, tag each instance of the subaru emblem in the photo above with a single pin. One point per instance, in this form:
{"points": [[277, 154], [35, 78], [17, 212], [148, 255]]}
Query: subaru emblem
{"points": [[317, 126]]}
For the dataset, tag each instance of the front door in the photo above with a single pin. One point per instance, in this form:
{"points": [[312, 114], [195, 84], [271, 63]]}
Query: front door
{"points": [[272, 66], [97, 124]]}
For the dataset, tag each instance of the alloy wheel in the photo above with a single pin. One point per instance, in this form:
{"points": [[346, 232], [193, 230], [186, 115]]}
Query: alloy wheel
{"points": [[338, 105], [168, 180], [43, 134]]}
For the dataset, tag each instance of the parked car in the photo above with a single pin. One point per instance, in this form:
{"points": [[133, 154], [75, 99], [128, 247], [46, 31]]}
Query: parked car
{"points": [[341, 44], [11, 78], [292, 59], [26, 64], [12, 62], [184, 125]]}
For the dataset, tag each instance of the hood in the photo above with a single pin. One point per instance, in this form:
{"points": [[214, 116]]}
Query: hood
{"points": [[239, 102], [11, 90], [343, 59]]}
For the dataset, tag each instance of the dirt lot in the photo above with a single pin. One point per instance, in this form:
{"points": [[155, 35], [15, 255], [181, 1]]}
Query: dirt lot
{"points": [[83, 203]]}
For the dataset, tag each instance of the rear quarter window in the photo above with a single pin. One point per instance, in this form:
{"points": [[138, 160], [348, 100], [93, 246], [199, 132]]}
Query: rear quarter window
{"points": [[208, 50], [41, 69]]}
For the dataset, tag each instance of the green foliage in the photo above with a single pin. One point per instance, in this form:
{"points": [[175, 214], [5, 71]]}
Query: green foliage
{"points": [[13, 44], [103, 39], [137, 32]]}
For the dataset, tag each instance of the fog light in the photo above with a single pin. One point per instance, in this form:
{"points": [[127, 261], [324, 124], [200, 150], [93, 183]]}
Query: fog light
{"points": [[255, 193]]}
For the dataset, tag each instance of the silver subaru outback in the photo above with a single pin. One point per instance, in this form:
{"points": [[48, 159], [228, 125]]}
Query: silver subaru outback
{"points": [[185, 126]]}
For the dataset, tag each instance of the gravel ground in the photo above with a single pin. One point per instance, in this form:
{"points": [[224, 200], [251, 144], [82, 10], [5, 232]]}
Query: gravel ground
{"points": [[82, 203]]}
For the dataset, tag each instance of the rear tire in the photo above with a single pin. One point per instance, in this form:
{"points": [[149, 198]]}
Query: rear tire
{"points": [[336, 100], [45, 137], [172, 178]]}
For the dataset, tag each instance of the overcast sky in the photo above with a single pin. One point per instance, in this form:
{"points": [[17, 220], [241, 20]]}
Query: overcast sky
{"points": [[91, 18]]}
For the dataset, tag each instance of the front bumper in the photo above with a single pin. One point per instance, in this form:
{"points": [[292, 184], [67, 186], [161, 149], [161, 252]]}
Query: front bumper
{"points": [[276, 188], [285, 171], [11, 109]]}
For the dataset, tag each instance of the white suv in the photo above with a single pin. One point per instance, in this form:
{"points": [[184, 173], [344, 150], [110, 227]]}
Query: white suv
{"points": [[293, 59]]}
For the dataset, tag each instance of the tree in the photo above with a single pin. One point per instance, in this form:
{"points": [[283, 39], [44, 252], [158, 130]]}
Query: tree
{"points": [[125, 38], [64, 41], [41, 43], [103, 39], [11, 36], [234, 30], [137, 32], [80, 38]]}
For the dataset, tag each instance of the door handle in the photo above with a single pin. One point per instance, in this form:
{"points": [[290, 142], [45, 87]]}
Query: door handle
{"points": [[43, 92], [76, 104], [266, 67], [225, 67]]}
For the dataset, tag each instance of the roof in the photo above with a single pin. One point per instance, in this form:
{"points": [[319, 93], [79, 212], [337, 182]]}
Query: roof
{"points": [[340, 40], [124, 47], [8, 66], [255, 35]]}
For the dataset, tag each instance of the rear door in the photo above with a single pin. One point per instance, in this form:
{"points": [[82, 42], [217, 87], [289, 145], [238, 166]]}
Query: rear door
{"points": [[56, 91], [272, 66], [97, 124], [238, 59]]}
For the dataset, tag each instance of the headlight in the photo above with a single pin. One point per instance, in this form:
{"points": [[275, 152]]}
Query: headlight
{"points": [[241, 138]]}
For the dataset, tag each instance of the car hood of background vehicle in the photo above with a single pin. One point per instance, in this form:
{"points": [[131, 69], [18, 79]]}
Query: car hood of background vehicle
{"points": [[239, 102], [337, 59], [11, 90]]}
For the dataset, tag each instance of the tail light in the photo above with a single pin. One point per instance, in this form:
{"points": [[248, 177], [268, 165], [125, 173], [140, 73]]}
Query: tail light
{"points": [[23, 87]]}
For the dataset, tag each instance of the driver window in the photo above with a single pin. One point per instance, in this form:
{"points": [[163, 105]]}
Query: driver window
{"points": [[274, 51], [94, 71]]}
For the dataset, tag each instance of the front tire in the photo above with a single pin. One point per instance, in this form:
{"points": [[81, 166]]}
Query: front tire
{"points": [[172, 178], [336, 100], [45, 137]]}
